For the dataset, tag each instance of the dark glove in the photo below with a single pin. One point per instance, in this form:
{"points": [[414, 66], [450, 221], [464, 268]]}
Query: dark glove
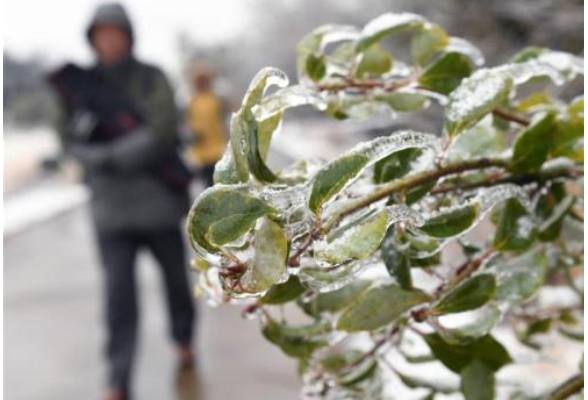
{"points": [[93, 157]]}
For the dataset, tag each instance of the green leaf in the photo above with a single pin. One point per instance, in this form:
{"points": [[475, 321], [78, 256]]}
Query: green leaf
{"points": [[457, 357], [532, 146], [284, 292], [418, 192], [225, 170], [379, 307], [269, 258], [313, 43], [221, 215], [364, 371], [474, 98], [404, 101], [470, 294], [298, 342], [521, 277], [395, 166], [551, 226], [516, 230], [482, 324], [451, 222], [332, 179], [477, 381], [334, 301], [356, 241], [255, 160], [397, 263], [430, 40], [315, 67], [447, 73], [386, 25], [374, 61], [482, 140]]}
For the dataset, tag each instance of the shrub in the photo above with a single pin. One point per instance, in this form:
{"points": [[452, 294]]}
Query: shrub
{"points": [[360, 243]]}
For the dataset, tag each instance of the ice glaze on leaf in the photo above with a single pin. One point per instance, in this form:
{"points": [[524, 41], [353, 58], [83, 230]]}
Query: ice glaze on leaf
{"points": [[445, 75], [472, 293], [451, 222]]}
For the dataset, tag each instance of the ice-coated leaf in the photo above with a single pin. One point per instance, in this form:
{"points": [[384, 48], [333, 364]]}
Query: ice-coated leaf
{"points": [[291, 96], [551, 226], [451, 222], [356, 241], [485, 319], [568, 65], [239, 142], [477, 381], [269, 258], [482, 140], [360, 373], [374, 61], [337, 174], [395, 166], [379, 307], [521, 277], [397, 263], [568, 140], [284, 292], [490, 197], [386, 25], [428, 41], [475, 97], [255, 157], [334, 177], [404, 100], [327, 279], [299, 341], [488, 88], [445, 74], [225, 170], [334, 301], [222, 215], [248, 138], [472, 293], [315, 67], [532, 146], [315, 42], [265, 78], [457, 357], [516, 229], [462, 46]]}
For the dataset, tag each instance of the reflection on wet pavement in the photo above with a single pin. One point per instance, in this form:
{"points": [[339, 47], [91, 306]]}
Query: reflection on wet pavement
{"points": [[188, 385], [53, 329]]}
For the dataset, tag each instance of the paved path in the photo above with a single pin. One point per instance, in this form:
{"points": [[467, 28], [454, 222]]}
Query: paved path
{"points": [[53, 330]]}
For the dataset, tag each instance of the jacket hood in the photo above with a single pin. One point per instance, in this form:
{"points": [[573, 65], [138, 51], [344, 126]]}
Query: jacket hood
{"points": [[111, 13]]}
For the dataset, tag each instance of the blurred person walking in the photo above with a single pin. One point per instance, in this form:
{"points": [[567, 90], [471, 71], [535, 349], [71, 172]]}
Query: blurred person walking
{"points": [[119, 122], [206, 119]]}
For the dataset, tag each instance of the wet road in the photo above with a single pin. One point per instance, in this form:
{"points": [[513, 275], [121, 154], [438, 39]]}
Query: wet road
{"points": [[53, 331]]}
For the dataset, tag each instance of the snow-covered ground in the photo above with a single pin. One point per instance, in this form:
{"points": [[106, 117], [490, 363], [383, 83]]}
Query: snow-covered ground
{"points": [[31, 195]]}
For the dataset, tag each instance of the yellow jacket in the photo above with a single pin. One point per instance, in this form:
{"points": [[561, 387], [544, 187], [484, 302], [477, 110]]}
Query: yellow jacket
{"points": [[206, 122]]}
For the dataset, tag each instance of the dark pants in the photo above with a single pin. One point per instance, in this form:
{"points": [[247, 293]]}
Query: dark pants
{"points": [[207, 175], [118, 251]]}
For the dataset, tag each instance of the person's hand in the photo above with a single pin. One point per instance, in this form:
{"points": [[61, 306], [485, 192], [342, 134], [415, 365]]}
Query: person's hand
{"points": [[92, 157]]}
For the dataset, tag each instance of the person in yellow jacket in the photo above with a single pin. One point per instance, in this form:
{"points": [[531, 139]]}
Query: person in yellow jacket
{"points": [[206, 121]]}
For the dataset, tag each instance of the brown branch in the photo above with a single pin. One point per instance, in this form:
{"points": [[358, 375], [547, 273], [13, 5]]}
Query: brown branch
{"points": [[570, 387], [411, 181], [507, 116]]}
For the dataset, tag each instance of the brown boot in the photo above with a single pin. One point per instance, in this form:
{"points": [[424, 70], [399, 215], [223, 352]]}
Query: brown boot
{"points": [[185, 358], [115, 394]]}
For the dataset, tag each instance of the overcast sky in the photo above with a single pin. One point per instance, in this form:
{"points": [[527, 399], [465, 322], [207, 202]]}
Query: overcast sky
{"points": [[55, 28]]}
